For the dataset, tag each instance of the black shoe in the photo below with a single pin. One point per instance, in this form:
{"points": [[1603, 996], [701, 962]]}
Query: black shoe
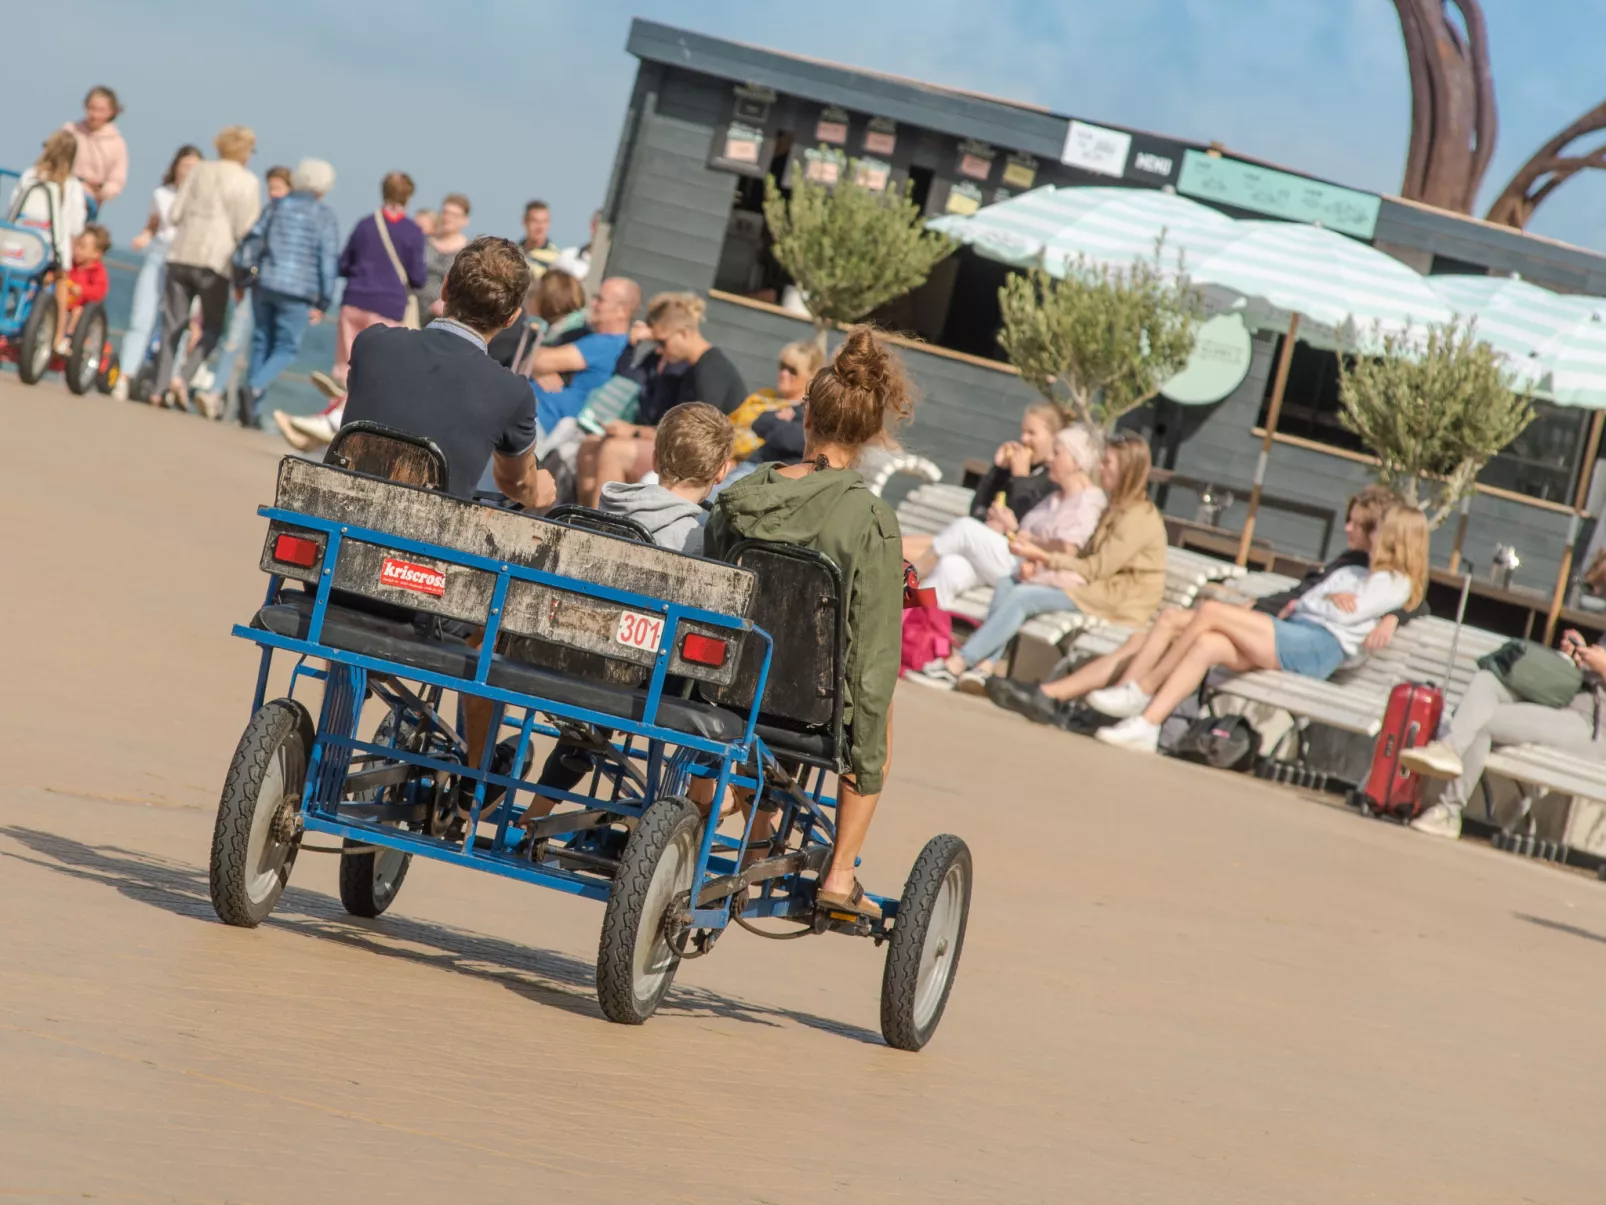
{"points": [[1022, 699], [246, 401]]}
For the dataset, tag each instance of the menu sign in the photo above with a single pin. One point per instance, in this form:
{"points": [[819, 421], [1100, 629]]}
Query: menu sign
{"points": [[975, 160], [881, 137], [744, 140], [874, 174], [1279, 194], [1020, 171], [832, 127], [1096, 149], [964, 199], [824, 165]]}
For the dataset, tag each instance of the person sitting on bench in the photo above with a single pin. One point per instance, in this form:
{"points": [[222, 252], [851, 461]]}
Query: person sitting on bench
{"points": [[824, 505]]}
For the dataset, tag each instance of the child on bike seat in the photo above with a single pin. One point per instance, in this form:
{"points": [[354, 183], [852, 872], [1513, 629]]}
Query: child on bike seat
{"points": [[823, 504], [691, 455], [85, 282]]}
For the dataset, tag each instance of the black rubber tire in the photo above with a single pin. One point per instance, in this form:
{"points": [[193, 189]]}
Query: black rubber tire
{"points": [[280, 725], [88, 346], [38, 334], [640, 888], [908, 1019], [363, 890]]}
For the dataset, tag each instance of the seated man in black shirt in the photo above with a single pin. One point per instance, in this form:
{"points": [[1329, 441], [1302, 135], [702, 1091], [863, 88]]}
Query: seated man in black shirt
{"points": [[439, 382]]}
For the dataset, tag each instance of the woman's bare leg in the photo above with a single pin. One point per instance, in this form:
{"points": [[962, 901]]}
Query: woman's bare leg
{"points": [[853, 815], [585, 469], [1157, 642], [1207, 651], [1096, 674], [915, 548], [1248, 629], [616, 460]]}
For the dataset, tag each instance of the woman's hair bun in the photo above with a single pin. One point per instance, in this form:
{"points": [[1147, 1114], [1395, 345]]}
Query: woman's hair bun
{"points": [[861, 362]]}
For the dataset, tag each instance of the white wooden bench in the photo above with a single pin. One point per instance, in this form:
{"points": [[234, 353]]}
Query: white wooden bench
{"points": [[880, 466]]}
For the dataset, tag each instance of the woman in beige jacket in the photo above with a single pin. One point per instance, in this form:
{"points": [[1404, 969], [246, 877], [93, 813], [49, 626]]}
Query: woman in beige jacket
{"points": [[216, 206]]}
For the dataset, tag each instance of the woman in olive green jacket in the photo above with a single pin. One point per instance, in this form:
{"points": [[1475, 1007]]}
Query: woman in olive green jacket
{"points": [[825, 505]]}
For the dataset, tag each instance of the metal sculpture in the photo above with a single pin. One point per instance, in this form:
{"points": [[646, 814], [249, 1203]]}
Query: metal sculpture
{"points": [[1453, 121], [1551, 166]]}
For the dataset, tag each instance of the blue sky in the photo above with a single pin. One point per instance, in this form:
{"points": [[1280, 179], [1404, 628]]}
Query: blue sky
{"points": [[511, 99]]}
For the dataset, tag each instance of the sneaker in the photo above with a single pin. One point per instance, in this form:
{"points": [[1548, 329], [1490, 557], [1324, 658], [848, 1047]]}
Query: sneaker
{"points": [[1134, 732], [1022, 699], [292, 437], [971, 682], [120, 390], [315, 427], [1434, 760], [934, 673], [1119, 702], [1440, 820], [327, 385], [210, 404]]}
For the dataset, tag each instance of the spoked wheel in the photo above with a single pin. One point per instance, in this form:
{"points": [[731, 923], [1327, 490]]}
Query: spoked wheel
{"points": [[38, 339], [927, 936], [636, 960], [255, 842], [88, 348], [370, 881]]}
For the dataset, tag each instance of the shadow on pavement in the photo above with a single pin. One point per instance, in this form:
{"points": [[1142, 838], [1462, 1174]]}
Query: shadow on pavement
{"points": [[1559, 927], [543, 976]]}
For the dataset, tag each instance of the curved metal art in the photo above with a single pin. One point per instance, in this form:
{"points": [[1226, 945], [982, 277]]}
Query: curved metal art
{"points": [[1453, 120], [1551, 166]]}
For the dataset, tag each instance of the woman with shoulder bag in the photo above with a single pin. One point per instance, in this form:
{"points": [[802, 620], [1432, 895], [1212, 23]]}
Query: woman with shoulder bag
{"points": [[383, 265], [1523, 695]]}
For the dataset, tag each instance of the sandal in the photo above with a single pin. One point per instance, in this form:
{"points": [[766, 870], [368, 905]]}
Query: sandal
{"points": [[854, 901]]}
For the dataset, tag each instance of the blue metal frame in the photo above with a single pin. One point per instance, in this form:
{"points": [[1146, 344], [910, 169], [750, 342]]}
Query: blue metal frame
{"points": [[18, 290], [351, 677]]}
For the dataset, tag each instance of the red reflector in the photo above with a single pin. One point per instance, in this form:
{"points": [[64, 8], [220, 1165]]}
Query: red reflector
{"points": [[703, 650], [294, 550]]}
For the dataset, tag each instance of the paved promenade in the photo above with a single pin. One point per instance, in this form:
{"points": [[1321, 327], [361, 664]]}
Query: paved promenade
{"points": [[1179, 986]]}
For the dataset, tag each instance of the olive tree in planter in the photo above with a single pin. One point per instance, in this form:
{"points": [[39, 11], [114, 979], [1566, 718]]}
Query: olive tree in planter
{"points": [[1434, 411], [1101, 341], [850, 248]]}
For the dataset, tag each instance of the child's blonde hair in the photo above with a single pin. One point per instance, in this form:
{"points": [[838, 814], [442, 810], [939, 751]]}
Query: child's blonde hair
{"points": [[1401, 546], [55, 164], [692, 444]]}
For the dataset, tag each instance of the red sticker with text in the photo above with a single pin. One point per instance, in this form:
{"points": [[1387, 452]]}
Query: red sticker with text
{"points": [[405, 575]]}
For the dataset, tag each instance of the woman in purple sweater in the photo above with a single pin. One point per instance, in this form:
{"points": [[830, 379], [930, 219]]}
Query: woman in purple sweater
{"points": [[382, 264]]}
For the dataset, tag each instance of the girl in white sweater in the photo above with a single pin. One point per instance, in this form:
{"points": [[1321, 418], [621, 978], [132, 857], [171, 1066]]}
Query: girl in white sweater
{"points": [[1318, 634]]}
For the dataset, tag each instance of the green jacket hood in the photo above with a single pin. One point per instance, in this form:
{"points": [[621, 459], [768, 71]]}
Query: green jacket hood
{"points": [[767, 506]]}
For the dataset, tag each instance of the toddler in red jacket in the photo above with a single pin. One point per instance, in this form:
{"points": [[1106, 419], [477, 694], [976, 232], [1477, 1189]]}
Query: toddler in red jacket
{"points": [[85, 283]]}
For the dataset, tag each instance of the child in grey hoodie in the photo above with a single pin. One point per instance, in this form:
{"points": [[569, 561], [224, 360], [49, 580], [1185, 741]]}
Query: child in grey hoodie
{"points": [[691, 455]]}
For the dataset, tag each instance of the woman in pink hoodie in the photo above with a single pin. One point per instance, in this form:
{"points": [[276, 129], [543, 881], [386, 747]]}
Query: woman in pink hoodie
{"points": [[102, 162]]}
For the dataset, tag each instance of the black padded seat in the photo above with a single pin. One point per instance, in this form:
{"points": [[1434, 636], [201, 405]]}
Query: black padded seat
{"points": [[391, 640], [814, 746]]}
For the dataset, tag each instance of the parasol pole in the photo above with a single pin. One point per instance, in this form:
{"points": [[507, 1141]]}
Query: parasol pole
{"points": [[1278, 385], [1586, 472], [1461, 532]]}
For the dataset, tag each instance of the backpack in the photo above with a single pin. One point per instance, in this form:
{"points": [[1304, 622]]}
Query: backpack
{"points": [[1227, 742], [928, 635]]}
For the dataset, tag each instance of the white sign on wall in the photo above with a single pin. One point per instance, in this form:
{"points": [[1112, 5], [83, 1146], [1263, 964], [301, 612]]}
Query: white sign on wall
{"points": [[1095, 149]]}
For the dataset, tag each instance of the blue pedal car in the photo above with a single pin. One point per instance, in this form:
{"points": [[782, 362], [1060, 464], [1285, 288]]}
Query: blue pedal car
{"points": [[28, 311], [661, 678]]}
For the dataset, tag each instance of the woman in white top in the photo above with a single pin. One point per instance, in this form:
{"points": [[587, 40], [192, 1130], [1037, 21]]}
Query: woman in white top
{"points": [[154, 240], [50, 199], [1321, 632], [215, 208]]}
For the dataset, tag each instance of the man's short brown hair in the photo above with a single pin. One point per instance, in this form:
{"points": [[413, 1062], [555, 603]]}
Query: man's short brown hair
{"points": [[486, 284], [396, 189], [1369, 506], [693, 443], [279, 172]]}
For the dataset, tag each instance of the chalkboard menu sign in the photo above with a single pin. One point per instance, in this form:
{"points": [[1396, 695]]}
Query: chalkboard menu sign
{"points": [[1269, 191], [833, 138], [744, 140]]}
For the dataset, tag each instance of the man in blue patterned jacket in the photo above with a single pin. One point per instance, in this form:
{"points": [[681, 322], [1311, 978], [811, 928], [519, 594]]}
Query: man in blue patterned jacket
{"points": [[296, 247]]}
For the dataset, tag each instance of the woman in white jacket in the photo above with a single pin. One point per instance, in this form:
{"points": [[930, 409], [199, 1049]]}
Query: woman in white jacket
{"points": [[1320, 633], [50, 199]]}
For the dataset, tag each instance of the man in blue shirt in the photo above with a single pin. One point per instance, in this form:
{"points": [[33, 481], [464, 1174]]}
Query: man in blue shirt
{"points": [[589, 360]]}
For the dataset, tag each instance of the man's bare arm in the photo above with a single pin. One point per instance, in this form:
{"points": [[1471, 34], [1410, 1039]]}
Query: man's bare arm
{"points": [[556, 359], [518, 477]]}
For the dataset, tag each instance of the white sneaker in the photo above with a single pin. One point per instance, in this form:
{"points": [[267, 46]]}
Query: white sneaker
{"points": [[1134, 732], [935, 674], [120, 390], [326, 385], [294, 438], [316, 427], [1119, 702], [971, 682], [1433, 760], [1440, 820], [211, 404]]}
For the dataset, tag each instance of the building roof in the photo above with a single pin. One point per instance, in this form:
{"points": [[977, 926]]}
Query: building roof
{"points": [[1019, 126]]}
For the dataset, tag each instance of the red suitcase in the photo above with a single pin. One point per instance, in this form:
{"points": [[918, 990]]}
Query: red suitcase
{"points": [[1412, 719]]}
